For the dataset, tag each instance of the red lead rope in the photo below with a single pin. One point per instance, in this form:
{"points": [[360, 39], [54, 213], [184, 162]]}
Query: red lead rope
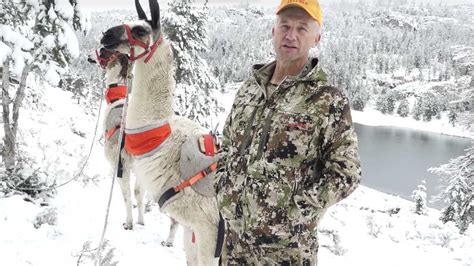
{"points": [[150, 50]]}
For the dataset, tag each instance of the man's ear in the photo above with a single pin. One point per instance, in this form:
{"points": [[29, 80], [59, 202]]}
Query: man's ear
{"points": [[317, 40], [273, 31]]}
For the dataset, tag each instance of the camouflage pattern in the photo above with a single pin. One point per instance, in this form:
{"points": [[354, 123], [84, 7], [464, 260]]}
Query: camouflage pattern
{"points": [[287, 157]]}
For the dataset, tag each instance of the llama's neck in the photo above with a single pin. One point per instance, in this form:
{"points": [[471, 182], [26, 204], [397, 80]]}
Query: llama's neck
{"points": [[152, 89], [112, 75]]}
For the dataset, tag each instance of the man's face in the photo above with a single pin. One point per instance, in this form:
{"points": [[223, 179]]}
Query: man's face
{"points": [[294, 33]]}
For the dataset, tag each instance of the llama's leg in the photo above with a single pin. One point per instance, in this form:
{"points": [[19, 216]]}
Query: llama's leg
{"points": [[173, 228], [206, 240], [139, 197], [190, 247], [149, 203], [124, 183]]}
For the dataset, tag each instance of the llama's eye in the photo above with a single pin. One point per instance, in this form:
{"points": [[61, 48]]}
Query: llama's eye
{"points": [[140, 32]]}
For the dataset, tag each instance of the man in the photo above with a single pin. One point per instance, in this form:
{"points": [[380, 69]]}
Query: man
{"points": [[289, 150]]}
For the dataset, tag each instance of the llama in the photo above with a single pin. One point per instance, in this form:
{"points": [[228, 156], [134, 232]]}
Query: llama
{"points": [[151, 108], [116, 67], [116, 70]]}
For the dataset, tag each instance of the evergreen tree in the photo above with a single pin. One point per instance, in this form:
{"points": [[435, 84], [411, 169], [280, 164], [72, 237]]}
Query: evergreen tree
{"points": [[452, 115], [385, 103], [418, 108], [403, 109], [185, 26], [431, 106], [458, 190], [419, 196]]}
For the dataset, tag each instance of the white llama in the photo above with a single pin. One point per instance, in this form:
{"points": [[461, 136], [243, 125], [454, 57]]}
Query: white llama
{"points": [[116, 67], [157, 167]]}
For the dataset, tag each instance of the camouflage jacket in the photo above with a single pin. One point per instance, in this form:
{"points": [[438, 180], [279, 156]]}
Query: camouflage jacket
{"points": [[287, 158]]}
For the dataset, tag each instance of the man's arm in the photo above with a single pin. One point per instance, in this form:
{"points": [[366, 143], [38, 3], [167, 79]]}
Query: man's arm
{"points": [[337, 170], [340, 158]]}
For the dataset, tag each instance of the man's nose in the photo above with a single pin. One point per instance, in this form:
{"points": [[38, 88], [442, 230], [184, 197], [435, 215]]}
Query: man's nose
{"points": [[291, 34]]}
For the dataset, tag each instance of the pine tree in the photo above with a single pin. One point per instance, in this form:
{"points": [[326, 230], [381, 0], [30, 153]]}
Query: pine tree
{"points": [[185, 26], [452, 115], [458, 191], [403, 109], [418, 108], [419, 196]]}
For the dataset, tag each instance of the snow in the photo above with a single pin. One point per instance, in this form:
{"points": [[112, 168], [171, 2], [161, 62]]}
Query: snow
{"points": [[366, 233], [5, 51], [64, 8], [70, 40], [52, 75], [52, 14], [8, 35]]}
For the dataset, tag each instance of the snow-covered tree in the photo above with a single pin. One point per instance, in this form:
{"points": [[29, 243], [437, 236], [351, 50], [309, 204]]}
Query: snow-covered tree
{"points": [[185, 26], [386, 103], [419, 196], [458, 190], [403, 109], [35, 36], [239, 37]]}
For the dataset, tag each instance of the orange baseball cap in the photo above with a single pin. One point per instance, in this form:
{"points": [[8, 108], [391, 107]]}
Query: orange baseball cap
{"points": [[310, 6]]}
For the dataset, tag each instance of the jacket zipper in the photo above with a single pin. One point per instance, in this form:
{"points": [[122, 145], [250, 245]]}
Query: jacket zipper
{"points": [[264, 136], [268, 120]]}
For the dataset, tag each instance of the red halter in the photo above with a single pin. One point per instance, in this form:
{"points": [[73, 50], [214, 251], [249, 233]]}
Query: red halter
{"points": [[103, 61], [150, 50]]}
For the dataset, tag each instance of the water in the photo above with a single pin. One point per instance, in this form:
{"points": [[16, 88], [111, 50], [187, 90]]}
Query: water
{"points": [[395, 160]]}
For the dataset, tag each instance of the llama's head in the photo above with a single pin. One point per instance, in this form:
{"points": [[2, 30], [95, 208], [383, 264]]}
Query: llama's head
{"points": [[143, 34], [110, 61]]}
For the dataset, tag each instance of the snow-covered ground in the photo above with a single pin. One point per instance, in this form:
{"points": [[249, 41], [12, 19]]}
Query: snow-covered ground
{"points": [[361, 230]]}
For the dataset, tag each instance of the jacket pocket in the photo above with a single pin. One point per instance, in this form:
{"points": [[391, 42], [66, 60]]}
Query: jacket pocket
{"points": [[289, 139]]}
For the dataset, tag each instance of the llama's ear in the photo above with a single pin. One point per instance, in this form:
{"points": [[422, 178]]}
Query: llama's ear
{"points": [[140, 12], [155, 14]]}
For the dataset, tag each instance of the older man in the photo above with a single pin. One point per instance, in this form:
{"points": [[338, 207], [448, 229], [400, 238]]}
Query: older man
{"points": [[290, 150]]}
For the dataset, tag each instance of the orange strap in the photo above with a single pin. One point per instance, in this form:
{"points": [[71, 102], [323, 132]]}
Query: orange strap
{"points": [[109, 133], [194, 179], [144, 142], [115, 93]]}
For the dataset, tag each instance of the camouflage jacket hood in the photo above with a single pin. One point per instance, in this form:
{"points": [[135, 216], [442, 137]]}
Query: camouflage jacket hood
{"points": [[288, 156]]}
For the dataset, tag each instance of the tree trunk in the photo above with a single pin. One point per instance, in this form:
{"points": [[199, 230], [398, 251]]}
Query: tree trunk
{"points": [[11, 126], [20, 95], [8, 152]]}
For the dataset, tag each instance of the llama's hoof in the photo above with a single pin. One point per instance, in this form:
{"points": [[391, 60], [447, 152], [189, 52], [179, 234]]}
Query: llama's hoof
{"points": [[127, 226], [141, 223], [166, 244]]}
